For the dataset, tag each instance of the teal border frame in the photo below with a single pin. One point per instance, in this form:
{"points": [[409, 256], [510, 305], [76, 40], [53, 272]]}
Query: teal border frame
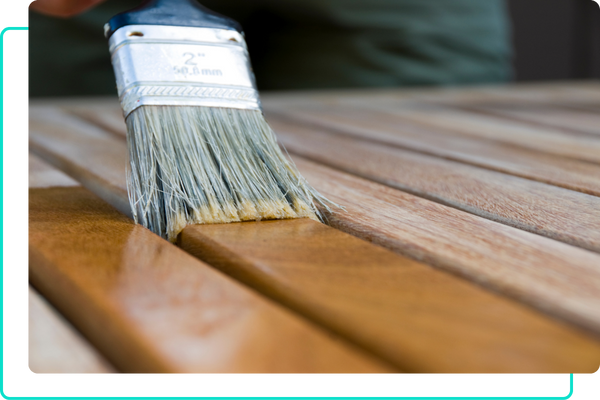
{"points": [[22, 28]]}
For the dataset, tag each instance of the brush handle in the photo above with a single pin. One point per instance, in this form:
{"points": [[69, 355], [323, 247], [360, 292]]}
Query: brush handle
{"points": [[171, 13]]}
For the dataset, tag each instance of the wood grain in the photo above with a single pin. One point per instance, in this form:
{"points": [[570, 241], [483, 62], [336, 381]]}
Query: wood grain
{"points": [[392, 130], [53, 134], [386, 303], [559, 171], [150, 307], [546, 210], [41, 174], [582, 94], [53, 350], [573, 93], [421, 319], [55, 346], [548, 140], [476, 125], [566, 119], [560, 279]]}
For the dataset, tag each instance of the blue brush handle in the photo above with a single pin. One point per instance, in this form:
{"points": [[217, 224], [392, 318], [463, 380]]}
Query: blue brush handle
{"points": [[172, 13]]}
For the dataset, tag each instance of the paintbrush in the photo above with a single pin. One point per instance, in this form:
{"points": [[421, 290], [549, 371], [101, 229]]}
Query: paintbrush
{"points": [[200, 150]]}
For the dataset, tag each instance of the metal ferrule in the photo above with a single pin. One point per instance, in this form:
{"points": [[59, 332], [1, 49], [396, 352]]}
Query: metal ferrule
{"points": [[182, 66]]}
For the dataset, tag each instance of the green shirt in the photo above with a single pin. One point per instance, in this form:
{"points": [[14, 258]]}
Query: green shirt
{"points": [[302, 44]]}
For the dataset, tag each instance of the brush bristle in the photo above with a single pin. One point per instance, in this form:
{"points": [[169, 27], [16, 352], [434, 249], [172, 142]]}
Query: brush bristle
{"points": [[204, 165]]}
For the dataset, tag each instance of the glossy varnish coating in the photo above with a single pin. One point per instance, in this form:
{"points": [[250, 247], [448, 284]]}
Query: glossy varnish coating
{"points": [[150, 307], [54, 344], [415, 316]]}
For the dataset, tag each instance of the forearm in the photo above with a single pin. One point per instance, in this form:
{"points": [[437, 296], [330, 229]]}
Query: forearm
{"points": [[63, 8]]}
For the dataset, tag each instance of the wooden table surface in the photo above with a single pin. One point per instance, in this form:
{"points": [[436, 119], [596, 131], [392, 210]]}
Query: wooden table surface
{"points": [[470, 242]]}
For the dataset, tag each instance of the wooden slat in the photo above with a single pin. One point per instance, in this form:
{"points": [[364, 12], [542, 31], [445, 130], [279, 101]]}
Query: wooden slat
{"points": [[558, 278], [39, 174], [110, 165], [585, 95], [560, 171], [568, 94], [570, 107], [548, 140], [389, 304], [555, 142], [43, 175], [55, 346], [536, 207], [107, 115], [565, 119], [150, 307], [421, 319]]}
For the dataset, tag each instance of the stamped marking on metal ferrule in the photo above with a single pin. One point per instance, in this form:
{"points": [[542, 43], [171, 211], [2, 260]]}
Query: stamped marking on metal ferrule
{"points": [[165, 65]]}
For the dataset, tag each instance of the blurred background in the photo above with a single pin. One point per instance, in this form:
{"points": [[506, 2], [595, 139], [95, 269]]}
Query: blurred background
{"points": [[320, 44]]}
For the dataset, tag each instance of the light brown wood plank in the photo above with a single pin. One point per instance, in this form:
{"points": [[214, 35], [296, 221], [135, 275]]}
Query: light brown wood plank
{"points": [[386, 303], [110, 165], [41, 174], [559, 171], [570, 93], [55, 346], [547, 210], [107, 115], [580, 146], [552, 276], [584, 94], [391, 130], [565, 119], [150, 307], [555, 142]]}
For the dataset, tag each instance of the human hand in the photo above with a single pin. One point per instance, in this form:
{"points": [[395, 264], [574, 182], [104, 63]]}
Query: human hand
{"points": [[63, 8]]}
